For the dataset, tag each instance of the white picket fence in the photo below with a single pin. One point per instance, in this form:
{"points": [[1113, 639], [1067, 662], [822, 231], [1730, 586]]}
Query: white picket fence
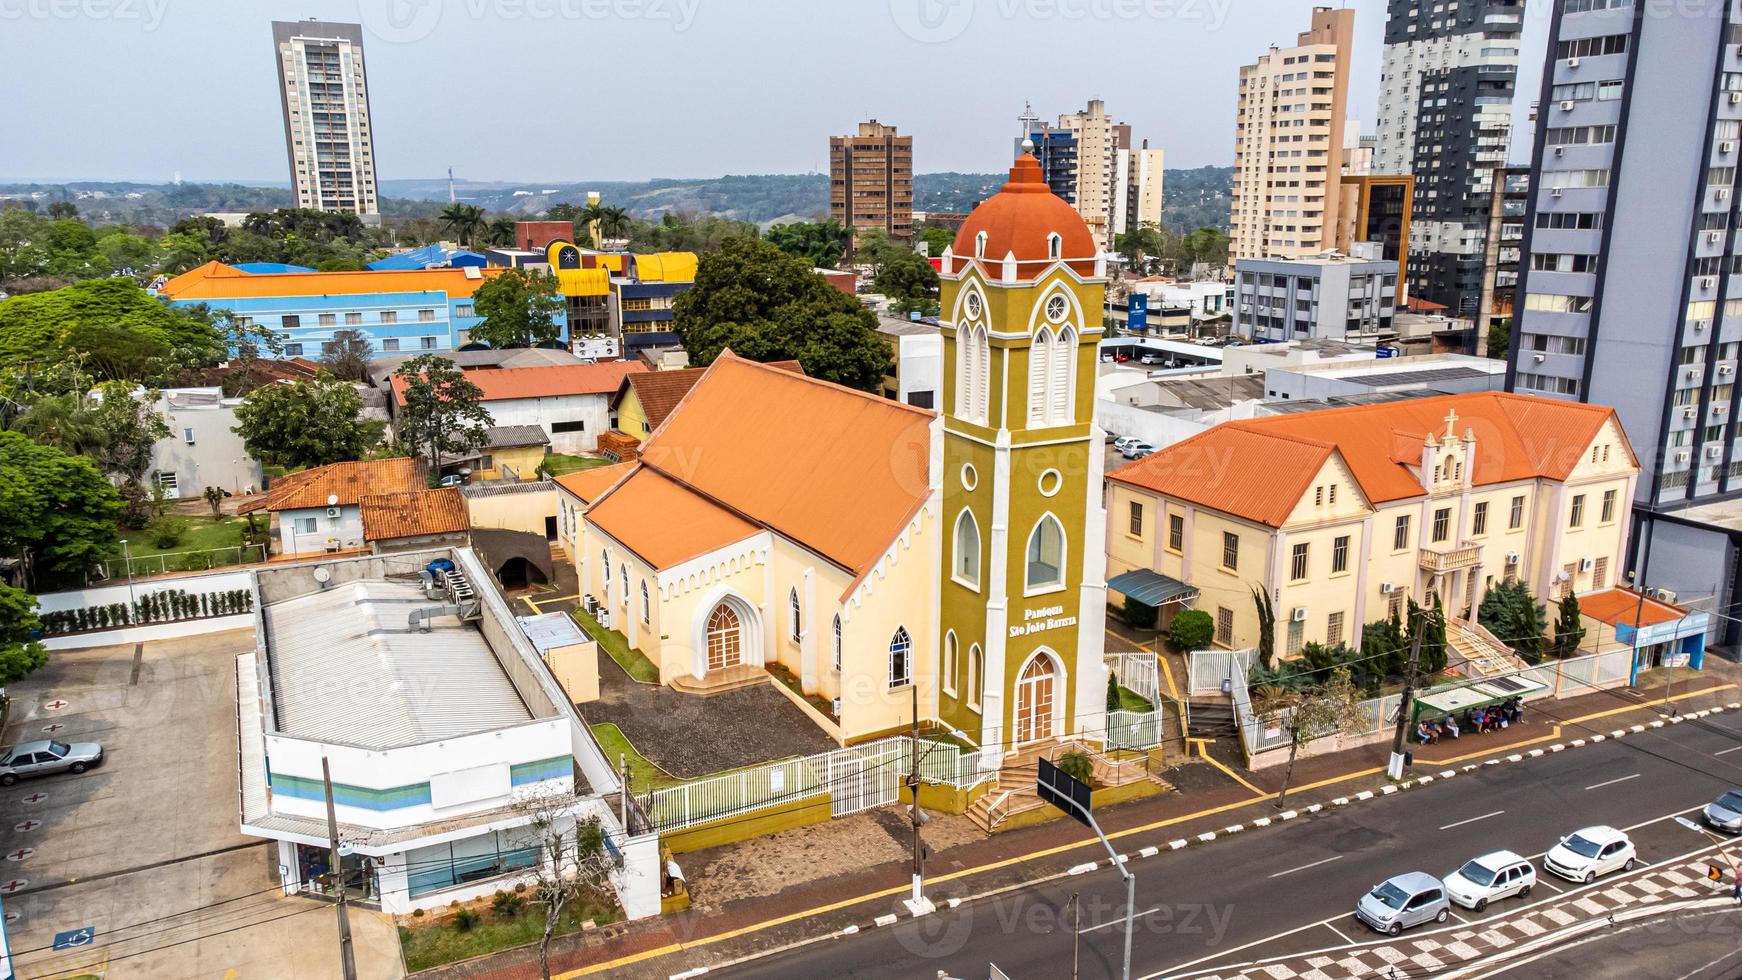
{"points": [[1138, 672]]}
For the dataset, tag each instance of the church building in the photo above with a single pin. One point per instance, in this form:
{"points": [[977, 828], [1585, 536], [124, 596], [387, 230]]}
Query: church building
{"points": [[874, 551]]}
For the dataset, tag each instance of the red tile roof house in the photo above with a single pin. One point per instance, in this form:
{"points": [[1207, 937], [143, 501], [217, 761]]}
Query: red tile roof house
{"points": [[570, 402]]}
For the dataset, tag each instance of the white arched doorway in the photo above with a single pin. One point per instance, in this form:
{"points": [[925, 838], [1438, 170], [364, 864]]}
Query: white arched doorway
{"points": [[1040, 691]]}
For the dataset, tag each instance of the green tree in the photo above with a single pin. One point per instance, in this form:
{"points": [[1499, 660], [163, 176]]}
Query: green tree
{"points": [[347, 355], [111, 328], [1191, 629], [1206, 244], [464, 221], [1143, 248], [1266, 626], [306, 423], [23, 245], [129, 427], [519, 308], [767, 305], [936, 238], [1513, 615], [1569, 628], [443, 412], [1384, 648], [129, 254], [62, 421], [1332, 707], [1500, 339], [500, 232], [820, 243], [57, 512], [20, 653], [906, 277], [62, 209], [1112, 692]]}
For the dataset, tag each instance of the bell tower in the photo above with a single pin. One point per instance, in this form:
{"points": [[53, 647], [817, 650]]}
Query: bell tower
{"points": [[1023, 590]]}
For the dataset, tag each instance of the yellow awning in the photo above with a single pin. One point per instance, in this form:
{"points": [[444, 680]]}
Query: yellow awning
{"points": [[666, 267], [583, 282]]}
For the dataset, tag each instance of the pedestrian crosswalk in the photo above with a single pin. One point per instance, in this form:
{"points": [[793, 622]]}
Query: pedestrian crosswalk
{"points": [[1442, 949]]}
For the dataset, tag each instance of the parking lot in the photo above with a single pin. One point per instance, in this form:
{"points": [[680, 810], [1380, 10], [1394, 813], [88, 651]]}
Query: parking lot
{"points": [[136, 868]]}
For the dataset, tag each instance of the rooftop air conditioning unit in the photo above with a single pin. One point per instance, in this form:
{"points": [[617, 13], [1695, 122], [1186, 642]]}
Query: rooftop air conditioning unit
{"points": [[1300, 614], [1586, 564], [1513, 558], [1566, 105], [332, 512]]}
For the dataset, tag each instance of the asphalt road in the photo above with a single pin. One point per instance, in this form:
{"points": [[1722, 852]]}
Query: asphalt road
{"points": [[1292, 886], [1705, 945]]}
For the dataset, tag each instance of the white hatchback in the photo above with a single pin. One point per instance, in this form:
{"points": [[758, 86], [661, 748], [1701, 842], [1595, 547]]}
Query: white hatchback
{"points": [[1490, 878], [1586, 855]]}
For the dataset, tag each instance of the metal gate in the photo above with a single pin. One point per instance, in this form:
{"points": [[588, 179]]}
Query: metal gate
{"points": [[864, 776]]}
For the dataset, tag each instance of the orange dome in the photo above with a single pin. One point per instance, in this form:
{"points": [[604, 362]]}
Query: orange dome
{"points": [[1019, 220]]}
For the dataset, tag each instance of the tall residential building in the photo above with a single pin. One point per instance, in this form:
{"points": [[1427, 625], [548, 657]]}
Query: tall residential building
{"points": [[1445, 116], [1627, 296], [871, 181], [324, 91], [1288, 143], [1088, 159]]}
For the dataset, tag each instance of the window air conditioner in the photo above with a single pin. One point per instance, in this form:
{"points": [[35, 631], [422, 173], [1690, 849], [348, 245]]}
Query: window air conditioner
{"points": [[1560, 151], [1586, 564], [1708, 282], [1572, 62], [1688, 412], [1735, 98], [1513, 558], [1726, 369], [1681, 457], [1555, 192], [332, 512], [1727, 146], [1722, 194], [1566, 105], [1300, 614]]}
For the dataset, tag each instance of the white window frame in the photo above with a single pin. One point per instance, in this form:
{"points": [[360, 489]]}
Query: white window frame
{"points": [[901, 638]]}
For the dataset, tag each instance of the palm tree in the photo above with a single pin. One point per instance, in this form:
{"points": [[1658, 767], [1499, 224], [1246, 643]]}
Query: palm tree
{"points": [[501, 232], [464, 220], [63, 422], [592, 217], [613, 222]]}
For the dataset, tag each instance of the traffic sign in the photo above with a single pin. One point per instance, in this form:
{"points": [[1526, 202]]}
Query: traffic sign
{"points": [[1714, 873], [1064, 791]]}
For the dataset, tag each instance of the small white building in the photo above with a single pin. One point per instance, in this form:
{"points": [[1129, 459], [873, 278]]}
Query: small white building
{"points": [[571, 402], [202, 449], [916, 375], [319, 510], [436, 723]]}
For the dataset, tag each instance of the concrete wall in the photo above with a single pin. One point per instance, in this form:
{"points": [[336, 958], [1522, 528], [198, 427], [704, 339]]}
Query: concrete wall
{"points": [[592, 411], [103, 595], [216, 457], [525, 509], [344, 531]]}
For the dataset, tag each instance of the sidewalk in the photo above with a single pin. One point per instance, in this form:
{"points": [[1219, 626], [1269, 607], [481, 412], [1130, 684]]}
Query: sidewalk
{"points": [[1214, 795]]}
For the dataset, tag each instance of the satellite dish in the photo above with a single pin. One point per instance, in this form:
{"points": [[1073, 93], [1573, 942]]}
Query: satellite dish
{"points": [[332, 500], [323, 574]]}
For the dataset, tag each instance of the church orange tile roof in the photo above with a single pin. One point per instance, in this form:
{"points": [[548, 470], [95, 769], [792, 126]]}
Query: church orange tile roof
{"points": [[664, 522], [660, 391], [839, 471], [1258, 469], [548, 381], [589, 484], [1019, 219]]}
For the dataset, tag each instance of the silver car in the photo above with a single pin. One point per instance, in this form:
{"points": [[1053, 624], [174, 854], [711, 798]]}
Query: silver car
{"points": [[1404, 901], [45, 757], [1725, 813]]}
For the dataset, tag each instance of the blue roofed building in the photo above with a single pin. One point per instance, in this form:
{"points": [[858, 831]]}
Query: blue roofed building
{"points": [[429, 257]]}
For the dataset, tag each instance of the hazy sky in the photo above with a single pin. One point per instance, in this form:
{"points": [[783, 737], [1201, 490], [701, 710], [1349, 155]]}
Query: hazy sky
{"points": [[544, 90]]}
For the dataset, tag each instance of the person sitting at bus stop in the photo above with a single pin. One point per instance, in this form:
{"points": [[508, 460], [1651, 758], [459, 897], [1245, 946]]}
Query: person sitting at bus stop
{"points": [[1425, 734], [1450, 726]]}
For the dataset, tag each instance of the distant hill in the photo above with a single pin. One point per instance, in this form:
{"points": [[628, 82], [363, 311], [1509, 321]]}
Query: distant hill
{"points": [[1194, 198]]}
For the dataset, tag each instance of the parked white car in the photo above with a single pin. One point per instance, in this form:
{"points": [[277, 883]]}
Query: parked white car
{"points": [[1490, 878], [1136, 449], [1124, 441], [1588, 854]]}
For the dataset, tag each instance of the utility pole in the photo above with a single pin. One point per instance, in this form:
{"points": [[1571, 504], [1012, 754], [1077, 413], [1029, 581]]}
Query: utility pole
{"points": [[916, 902], [347, 956], [1419, 625], [1076, 932]]}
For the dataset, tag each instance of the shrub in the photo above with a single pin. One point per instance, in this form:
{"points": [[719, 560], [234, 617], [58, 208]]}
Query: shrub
{"points": [[1077, 765], [465, 919], [167, 533], [1138, 615], [417, 913], [1192, 629], [197, 561], [505, 904], [1112, 692]]}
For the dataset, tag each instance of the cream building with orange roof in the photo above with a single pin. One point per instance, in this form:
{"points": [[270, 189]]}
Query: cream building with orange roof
{"points": [[1345, 515], [883, 554]]}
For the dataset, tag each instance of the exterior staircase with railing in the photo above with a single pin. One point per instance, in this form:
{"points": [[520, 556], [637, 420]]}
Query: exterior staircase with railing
{"points": [[1014, 790]]}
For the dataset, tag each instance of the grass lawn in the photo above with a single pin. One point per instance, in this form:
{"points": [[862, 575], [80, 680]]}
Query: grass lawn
{"points": [[429, 942], [1133, 702], [616, 645], [643, 774], [198, 533], [560, 464]]}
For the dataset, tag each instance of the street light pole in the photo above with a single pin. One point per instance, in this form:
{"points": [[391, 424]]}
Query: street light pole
{"points": [[1735, 874], [127, 553]]}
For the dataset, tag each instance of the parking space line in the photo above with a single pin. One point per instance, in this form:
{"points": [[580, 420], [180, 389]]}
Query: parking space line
{"points": [[1455, 915], [1737, 748], [1612, 782], [1306, 866], [1551, 886], [1339, 933], [1484, 816]]}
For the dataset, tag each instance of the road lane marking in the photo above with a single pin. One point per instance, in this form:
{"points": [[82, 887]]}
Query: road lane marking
{"points": [[1612, 782], [1306, 866], [1121, 920], [1458, 917], [1340, 934], [1484, 816], [1551, 886], [1728, 751]]}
